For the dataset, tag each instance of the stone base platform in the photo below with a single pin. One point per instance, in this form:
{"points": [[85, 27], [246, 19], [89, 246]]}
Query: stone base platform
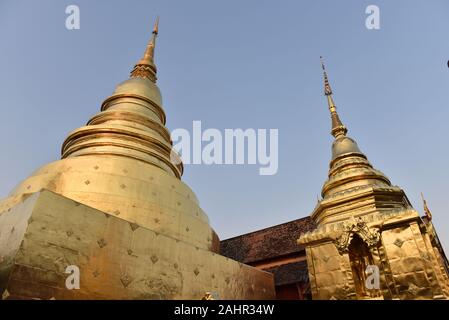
{"points": [[44, 233]]}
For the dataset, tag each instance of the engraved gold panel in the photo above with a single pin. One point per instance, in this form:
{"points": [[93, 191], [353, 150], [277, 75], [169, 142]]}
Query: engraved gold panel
{"points": [[117, 259]]}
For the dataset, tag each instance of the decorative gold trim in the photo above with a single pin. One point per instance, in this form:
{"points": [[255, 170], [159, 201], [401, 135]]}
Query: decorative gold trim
{"points": [[370, 236], [160, 111], [102, 117]]}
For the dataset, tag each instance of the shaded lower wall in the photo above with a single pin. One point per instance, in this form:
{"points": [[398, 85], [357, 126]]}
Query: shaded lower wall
{"points": [[291, 280], [275, 250]]}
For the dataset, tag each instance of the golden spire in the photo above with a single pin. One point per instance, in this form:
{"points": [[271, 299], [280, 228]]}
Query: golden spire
{"points": [[338, 128], [426, 208], [146, 68]]}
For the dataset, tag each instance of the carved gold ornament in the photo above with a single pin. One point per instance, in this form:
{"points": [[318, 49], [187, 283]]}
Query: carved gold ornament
{"points": [[357, 226]]}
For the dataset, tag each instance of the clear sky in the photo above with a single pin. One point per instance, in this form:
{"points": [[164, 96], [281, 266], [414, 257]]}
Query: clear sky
{"points": [[241, 64]]}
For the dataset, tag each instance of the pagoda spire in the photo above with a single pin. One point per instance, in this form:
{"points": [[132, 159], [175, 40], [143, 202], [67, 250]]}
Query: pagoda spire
{"points": [[145, 67], [338, 129]]}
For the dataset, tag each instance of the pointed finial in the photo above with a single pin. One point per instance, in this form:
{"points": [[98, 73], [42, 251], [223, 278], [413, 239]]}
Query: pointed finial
{"points": [[146, 68], [338, 129], [426, 208], [327, 86], [156, 26]]}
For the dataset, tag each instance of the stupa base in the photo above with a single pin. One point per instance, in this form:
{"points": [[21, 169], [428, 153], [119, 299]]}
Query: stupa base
{"points": [[45, 234]]}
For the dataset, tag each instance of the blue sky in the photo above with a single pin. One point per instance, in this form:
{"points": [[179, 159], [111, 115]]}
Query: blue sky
{"points": [[241, 64]]}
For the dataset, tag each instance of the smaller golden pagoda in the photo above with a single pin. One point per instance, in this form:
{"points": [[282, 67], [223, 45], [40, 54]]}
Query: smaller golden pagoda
{"points": [[369, 242]]}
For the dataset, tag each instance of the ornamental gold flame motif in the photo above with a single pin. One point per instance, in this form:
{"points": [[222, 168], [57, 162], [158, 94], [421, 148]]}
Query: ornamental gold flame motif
{"points": [[367, 224], [115, 207]]}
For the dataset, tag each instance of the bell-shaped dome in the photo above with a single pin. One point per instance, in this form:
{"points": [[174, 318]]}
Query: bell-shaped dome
{"points": [[142, 87], [343, 145]]}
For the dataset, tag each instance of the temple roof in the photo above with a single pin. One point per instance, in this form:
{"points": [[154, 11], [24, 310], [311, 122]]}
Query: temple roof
{"points": [[272, 242]]}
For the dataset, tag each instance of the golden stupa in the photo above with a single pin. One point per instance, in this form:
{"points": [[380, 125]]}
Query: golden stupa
{"points": [[367, 229], [115, 207]]}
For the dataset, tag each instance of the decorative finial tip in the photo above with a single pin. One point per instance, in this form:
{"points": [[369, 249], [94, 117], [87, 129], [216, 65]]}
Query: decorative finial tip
{"points": [[156, 26], [322, 63], [145, 67], [338, 128]]}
